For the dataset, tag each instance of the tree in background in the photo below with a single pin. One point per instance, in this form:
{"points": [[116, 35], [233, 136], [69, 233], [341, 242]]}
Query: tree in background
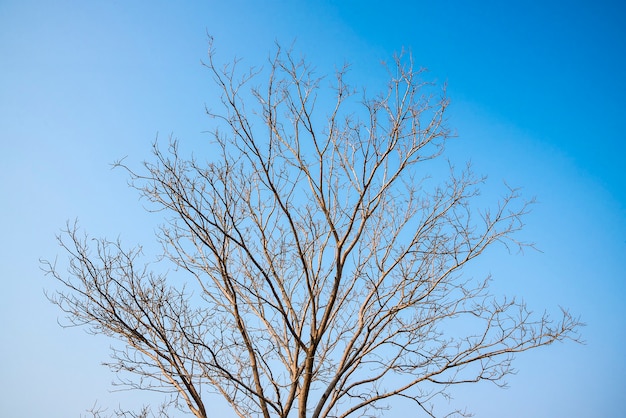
{"points": [[324, 267]]}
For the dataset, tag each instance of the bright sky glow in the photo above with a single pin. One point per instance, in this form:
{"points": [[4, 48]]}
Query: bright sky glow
{"points": [[537, 100]]}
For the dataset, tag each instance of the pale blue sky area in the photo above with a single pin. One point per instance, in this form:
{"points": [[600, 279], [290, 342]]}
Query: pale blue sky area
{"points": [[538, 99]]}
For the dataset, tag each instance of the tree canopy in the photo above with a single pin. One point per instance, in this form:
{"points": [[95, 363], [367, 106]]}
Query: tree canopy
{"points": [[324, 264]]}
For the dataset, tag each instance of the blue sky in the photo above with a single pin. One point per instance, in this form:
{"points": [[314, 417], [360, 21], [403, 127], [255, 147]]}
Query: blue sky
{"points": [[537, 92]]}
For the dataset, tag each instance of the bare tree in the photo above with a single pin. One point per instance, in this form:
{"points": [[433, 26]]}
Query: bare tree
{"points": [[324, 267]]}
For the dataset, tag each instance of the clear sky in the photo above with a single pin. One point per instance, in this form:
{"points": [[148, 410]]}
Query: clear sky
{"points": [[538, 99]]}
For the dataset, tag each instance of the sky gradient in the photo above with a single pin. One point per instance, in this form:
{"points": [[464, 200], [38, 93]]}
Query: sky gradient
{"points": [[537, 92]]}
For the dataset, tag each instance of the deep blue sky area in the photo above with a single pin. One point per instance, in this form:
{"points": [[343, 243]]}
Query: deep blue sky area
{"points": [[537, 94]]}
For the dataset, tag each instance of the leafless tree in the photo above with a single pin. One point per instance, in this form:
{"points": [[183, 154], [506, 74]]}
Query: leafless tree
{"points": [[324, 267]]}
